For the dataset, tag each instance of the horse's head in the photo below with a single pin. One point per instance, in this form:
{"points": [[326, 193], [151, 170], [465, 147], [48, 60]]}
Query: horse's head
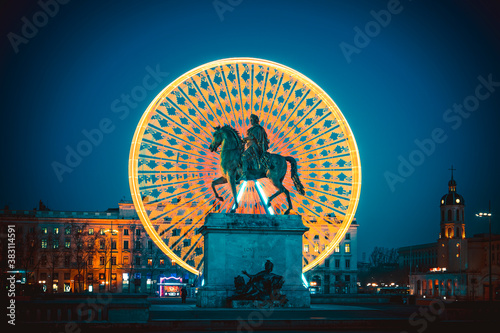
{"points": [[217, 140]]}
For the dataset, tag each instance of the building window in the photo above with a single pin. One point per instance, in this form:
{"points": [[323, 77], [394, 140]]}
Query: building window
{"points": [[56, 231], [137, 244], [102, 243], [66, 276], [91, 231], [67, 231], [125, 245], [90, 260], [458, 215], [113, 260], [67, 243], [150, 262], [316, 248], [137, 232], [337, 263], [101, 231], [347, 248], [306, 248], [347, 278], [138, 260], [187, 242], [113, 245], [125, 232], [150, 244], [337, 248], [56, 276], [348, 236], [102, 261], [55, 243], [449, 214], [199, 250], [44, 230], [162, 262], [327, 263], [347, 264], [125, 260], [44, 243], [176, 232]]}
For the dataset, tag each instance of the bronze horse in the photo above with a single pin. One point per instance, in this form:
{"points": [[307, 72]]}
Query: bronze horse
{"points": [[232, 147]]}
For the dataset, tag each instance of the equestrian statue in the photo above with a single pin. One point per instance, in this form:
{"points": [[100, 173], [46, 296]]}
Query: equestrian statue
{"points": [[240, 164]]}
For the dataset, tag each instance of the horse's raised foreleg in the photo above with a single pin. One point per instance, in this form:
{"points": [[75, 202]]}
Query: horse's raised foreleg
{"points": [[218, 181]]}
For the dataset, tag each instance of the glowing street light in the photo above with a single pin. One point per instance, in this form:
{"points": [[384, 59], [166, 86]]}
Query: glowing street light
{"points": [[488, 215]]}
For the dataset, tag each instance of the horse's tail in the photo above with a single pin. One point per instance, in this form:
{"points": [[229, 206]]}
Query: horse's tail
{"points": [[295, 176]]}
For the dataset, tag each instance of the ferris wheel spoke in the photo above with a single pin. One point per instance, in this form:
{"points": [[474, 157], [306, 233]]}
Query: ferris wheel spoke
{"points": [[271, 130], [206, 103], [162, 114], [323, 147], [174, 136], [164, 149], [217, 97], [198, 112], [295, 126]]}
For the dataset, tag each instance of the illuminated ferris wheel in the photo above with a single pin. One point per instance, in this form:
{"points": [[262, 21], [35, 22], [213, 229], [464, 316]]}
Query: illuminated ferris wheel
{"points": [[171, 167]]}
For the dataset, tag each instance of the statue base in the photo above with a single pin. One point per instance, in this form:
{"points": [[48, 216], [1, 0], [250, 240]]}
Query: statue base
{"points": [[237, 242]]}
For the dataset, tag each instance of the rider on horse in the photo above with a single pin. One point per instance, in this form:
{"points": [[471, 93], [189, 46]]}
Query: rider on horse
{"points": [[257, 144]]}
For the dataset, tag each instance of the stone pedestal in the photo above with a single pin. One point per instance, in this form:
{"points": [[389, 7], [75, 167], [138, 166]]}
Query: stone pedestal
{"points": [[236, 242]]}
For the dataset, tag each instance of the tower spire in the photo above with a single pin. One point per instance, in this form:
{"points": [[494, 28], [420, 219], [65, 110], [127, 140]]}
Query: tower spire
{"points": [[452, 184], [452, 171]]}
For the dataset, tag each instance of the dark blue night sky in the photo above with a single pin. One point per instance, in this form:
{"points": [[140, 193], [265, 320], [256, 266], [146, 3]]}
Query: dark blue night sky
{"points": [[404, 84]]}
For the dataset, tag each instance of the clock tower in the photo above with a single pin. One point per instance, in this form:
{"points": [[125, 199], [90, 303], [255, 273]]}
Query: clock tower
{"points": [[452, 245]]}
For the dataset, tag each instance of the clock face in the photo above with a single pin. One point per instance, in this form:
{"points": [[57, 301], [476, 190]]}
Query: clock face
{"points": [[458, 200], [171, 167]]}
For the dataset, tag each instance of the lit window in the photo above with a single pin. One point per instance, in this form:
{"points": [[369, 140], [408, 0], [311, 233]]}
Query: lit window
{"points": [[306, 248], [67, 243], [67, 231], [44, 231], [347, 248], [101, 231], [150, 262], [91, 231], [44, 243], [316, 247], [55, 243], [162, 262], [337, 248], [56, 231]]}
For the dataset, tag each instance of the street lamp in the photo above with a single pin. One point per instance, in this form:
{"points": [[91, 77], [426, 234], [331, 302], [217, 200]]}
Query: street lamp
{"points": [[488, 215]]}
